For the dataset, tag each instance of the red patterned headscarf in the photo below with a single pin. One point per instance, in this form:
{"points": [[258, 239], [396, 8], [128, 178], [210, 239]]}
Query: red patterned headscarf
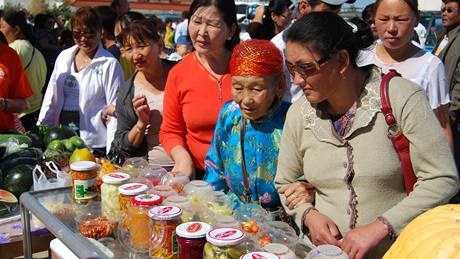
{"points": [[256, 58]]}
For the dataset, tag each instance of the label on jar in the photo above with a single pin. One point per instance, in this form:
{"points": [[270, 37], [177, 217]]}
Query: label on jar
{"points": [[85, 189]]}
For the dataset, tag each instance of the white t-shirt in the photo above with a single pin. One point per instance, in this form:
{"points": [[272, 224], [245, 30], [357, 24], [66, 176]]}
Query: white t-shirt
{"points": [[293, 92], [181, 30], [424, 69]]}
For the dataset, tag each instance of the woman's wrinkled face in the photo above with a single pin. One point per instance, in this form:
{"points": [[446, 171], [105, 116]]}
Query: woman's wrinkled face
{"points": [[395, 22], [86, 40], [9, 32], [313, 73], [142, 54], [255, 94], [208, 30]]}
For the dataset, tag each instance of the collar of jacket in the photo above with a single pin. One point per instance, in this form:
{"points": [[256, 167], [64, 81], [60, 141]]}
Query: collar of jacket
{"points": [[98, 57], [316, 118]]}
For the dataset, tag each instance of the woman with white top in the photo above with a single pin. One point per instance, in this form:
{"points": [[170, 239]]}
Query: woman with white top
{"points": [[85, 78], [395, 21]]}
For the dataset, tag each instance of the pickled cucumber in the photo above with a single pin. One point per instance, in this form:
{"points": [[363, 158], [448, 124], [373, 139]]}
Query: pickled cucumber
{"points": [[215, 252]]}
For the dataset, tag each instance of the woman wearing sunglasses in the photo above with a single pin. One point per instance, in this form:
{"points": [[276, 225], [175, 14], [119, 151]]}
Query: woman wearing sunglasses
{"points": [[337, 139], [85, 78], [395, 21]]}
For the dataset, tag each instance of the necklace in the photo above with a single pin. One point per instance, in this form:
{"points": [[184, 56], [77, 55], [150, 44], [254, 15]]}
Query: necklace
{"points": [[219, 87]]}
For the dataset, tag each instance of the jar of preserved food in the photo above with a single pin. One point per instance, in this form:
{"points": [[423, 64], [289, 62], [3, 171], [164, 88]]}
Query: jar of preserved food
{"points": [[128, 191], [164, 220], [134, 233], [197, 186], [224, 221], [282, 251], [327, 251], [84, 176], [164, 190], [191, 238], [219, 203], [224, 243], [110, 204], [264, 255], [176, 180], [178, 201]]}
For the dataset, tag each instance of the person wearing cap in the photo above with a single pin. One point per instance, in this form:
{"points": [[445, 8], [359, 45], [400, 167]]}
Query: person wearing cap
{"points": [[249, 128], [303, 7], [183, 47]]}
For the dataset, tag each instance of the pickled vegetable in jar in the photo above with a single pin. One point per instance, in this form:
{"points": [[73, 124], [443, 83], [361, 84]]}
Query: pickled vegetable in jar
{"points": [[219, 203], [84, 176], [128, 191], [327, 251], [176, 180], [224, 243], [264, 255], [164, 190], [178, 201], [282, 251], [110, 204], [197, 186], [191, 238], [135, 232], [223, 221], [164, 220]]}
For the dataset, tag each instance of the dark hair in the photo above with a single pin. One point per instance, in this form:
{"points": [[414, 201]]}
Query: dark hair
{"points": [[413, 5], [40, 20], [277, 7], [139, 31], [129, 17], [368, 13], [18, 18], [159, 24], [228, 10], [3, 39], [455, 1], [327, 33], [108, 16], [87, 17]]}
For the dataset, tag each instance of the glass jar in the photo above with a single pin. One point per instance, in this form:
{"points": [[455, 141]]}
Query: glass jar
{"points": [[224, 243], [224, 221], [327, 251], [176, 180], [110, 204], [219, 203], [164, 190], [135, 165], [197, 212], [134, 232], [164, 220], [191, 238], [84, 176], [282, 251], [128, 191], [178, 201], [153, 173], [265, 255], [197, 186]]}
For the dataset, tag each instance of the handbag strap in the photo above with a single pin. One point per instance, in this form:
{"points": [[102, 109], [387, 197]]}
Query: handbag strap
{"points": [[247, 189], [386, 105], [31, 58]]}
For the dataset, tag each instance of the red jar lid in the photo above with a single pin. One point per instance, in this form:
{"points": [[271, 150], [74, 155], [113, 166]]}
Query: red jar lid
{"points": [[259, 255], [147, 200]]}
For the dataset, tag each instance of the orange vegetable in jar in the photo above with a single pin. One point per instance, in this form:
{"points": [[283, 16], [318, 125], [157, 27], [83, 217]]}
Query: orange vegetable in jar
{"points": [[84, 174], [164, 220]]}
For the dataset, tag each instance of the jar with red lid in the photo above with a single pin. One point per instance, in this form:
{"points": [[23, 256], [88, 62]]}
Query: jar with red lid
{"points": [[225, 243], [84, 176], [191, 238], [164, 220], [128, 191], [110, 203], [264, 255], [134, 233]]}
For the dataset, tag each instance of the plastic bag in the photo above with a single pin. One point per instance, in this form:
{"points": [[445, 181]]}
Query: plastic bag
{"points": [[13, 146], [41, 182]]}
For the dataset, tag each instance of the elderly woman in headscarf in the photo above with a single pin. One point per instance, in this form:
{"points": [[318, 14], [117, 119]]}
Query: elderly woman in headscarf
{"points": [[243, 155]]}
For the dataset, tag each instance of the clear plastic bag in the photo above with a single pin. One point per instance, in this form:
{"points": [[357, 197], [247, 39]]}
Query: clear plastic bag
{"points": [[41, 182]]}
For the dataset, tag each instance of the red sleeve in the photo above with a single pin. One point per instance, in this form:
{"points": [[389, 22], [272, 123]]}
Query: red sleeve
{"points": [[20, 84], [173, 130]]}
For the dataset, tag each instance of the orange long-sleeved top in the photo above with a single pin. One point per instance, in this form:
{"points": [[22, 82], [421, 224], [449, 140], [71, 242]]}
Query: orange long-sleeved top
{"points": [[191, 105]]}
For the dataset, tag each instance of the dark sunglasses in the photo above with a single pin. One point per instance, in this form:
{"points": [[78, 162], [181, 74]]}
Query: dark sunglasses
{"points": [[87, 35], [306, 69], [448, 9]]}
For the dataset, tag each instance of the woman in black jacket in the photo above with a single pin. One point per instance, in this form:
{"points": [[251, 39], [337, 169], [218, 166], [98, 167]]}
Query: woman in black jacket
{"points": [[140, 102]]}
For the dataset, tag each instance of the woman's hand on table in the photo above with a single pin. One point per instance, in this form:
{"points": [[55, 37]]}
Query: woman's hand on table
{"points": [[358, 241], [322, 229], [142, 110], [298, 193]]}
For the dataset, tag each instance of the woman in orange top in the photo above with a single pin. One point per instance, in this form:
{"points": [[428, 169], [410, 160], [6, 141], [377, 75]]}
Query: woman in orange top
{"points": [[199, 85]]}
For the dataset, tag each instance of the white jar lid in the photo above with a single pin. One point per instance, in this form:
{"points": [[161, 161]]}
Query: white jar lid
{"points": [[165, 212], [259, 255], [83, 166], [276, 248], [193, 229], [329, 251], [115, 178], [178, 201], [225, 236], [132, 189]]}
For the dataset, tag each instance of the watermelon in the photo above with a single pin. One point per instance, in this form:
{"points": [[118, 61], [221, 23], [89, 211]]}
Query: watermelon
{"points": [[19, 179]]}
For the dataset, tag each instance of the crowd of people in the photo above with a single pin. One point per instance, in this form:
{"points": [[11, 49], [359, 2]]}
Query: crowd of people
{"points": [[286, 114]]}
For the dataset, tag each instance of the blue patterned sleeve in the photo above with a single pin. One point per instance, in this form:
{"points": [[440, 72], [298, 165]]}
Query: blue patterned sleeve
{"points": [[215, 174]]}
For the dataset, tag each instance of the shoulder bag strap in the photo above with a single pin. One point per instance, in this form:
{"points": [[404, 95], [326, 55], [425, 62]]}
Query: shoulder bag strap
{"points": [[247, 189], [31, 58]]}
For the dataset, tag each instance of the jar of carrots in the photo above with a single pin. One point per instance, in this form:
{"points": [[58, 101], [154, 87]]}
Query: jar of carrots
{"points": [[84, 176], [164, 220]]}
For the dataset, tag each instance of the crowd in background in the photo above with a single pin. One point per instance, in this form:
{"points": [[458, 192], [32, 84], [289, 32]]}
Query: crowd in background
{"points": [[285, 113]]}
